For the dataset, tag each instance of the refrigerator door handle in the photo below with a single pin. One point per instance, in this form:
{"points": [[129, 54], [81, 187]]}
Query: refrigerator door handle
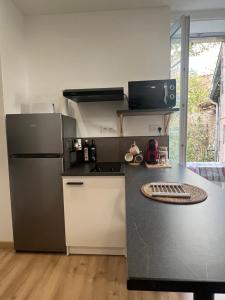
{"points": [[75, 183]]}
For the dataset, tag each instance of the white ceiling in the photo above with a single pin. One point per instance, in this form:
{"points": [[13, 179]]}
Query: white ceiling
{"points": [[37, 7]]}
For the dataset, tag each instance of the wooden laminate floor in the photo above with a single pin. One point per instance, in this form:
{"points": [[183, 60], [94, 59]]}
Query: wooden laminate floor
{"points": [[58, 277]]}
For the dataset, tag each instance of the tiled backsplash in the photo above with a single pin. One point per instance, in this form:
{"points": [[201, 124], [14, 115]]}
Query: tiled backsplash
{"points": [[114, 148]]}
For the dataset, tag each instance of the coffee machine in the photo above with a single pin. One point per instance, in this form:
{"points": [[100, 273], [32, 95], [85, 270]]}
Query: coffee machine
{"points": [[152, 153]]}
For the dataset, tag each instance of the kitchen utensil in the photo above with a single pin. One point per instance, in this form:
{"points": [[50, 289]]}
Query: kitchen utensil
{"points": [[138, 158], [134, 150], [128, 157], [168, 190]]}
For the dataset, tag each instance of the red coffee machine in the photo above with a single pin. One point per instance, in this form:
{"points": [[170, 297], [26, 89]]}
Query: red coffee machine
{"points": [[152, 154]]}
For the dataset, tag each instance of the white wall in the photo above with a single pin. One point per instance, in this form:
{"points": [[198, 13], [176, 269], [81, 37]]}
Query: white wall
{"points": [[5, 210], [13, 56], [101, 49], [13, 88], [73, 51]]}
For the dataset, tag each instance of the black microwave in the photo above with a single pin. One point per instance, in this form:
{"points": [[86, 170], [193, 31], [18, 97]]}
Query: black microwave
{"points": [[150, 94]]}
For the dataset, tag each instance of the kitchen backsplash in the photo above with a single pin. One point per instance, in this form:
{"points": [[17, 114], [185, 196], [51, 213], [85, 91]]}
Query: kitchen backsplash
{"points": [[114, 148]]}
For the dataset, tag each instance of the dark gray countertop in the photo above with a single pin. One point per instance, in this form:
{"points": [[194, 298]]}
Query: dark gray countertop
{"points": [[84, 170], [174, 242]]}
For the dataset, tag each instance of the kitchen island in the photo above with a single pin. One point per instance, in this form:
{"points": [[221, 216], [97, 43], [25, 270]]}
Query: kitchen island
{"points": [[174, 247]]}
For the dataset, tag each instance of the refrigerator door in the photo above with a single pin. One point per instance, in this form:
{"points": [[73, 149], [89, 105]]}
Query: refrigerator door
{"points": [[34, 133], [68, 127], [37, 204]]}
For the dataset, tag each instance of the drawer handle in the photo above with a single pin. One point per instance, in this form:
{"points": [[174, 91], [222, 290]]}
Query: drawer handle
{"points": [[75, 183]]}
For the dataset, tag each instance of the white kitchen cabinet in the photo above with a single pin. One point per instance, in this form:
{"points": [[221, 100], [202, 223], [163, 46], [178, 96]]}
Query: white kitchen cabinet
{"points": [[94, 209]]}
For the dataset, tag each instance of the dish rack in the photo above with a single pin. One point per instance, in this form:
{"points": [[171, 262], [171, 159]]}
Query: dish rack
{"points": [[162, 189]]}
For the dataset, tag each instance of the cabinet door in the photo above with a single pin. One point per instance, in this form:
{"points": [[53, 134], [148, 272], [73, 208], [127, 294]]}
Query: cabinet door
{"points": [[95, 211]]}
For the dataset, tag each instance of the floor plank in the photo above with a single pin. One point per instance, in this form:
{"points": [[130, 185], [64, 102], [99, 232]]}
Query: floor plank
{"points": [[77, 277]]}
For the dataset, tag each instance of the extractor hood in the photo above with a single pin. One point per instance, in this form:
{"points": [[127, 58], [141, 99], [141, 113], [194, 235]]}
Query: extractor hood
{"points": [[95, 95]]}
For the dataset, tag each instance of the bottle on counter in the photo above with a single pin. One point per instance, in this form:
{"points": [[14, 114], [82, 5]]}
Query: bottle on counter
{"points": [[86, 151], [93, 157]]}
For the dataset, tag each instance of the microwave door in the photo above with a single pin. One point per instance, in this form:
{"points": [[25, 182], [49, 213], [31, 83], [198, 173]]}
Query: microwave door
{"points": [[165, 93]]}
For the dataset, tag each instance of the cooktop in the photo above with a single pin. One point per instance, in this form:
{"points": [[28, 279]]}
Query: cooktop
{"points": [[107, 167]]}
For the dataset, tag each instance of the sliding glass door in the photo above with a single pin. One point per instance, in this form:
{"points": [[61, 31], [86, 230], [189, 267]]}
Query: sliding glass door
{"points": [[179, 40]]}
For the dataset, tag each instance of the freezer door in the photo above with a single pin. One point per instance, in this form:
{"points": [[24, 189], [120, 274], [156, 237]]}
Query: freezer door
{"points": [[37, 204], [69, 127], [34, 133]]}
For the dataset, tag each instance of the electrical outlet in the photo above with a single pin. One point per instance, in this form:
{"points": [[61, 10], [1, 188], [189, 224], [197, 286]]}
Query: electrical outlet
{"points": [[107, 130], [110, 129], [103, 129], [153, 128]]}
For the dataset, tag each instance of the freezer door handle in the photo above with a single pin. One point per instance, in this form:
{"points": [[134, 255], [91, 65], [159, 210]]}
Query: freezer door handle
{"points": [[75, 183]]}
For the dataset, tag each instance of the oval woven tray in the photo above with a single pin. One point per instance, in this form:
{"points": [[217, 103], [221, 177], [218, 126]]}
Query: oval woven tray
{"points": [[197, 195]]}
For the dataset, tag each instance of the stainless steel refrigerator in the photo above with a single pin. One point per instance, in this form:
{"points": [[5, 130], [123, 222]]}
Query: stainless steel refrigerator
{"points": [[39, 150]]}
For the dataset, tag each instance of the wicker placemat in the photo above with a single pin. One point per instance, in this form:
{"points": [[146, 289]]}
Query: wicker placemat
{"points": [[158, 166], [197, 195]]}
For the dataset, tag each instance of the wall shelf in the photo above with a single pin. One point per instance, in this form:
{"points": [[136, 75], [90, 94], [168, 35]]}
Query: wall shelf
{"points": [[165, 112], [145, 112]]}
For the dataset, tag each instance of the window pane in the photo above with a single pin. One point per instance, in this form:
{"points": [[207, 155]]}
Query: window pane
{"points": [[175, 73]]}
